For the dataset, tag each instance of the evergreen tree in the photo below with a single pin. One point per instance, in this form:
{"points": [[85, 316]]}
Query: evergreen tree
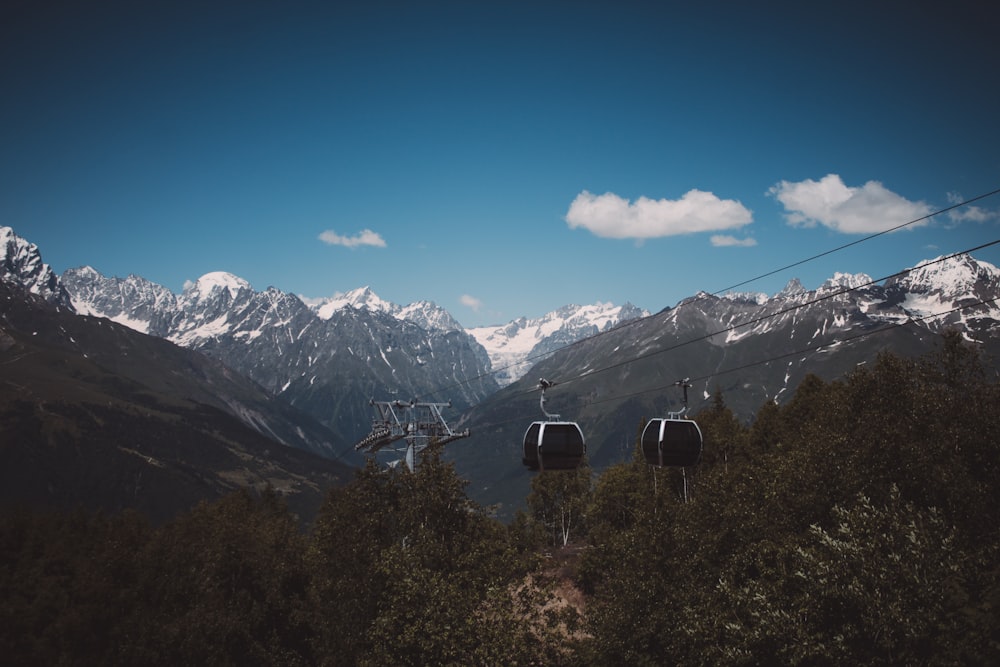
{"points": [[225, 584], [724, 437], [408, 571], [355, 525], [856, 531], [877, 588], [68, 586]]}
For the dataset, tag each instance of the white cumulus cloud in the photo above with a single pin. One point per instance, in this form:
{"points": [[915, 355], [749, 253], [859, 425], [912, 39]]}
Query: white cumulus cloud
{"points": [[471, 301], [611, 216], [721, 240], [866, 209], [364, 237]]}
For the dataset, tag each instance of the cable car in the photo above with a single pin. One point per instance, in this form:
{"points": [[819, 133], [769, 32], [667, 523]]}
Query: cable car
{"points": [[671, 442], [553, 444]]}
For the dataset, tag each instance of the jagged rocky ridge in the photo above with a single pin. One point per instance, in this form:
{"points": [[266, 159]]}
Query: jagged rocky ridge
{"points": [[96, 415], [327, 363], [514, 347], [330, 357], [21, 263]]}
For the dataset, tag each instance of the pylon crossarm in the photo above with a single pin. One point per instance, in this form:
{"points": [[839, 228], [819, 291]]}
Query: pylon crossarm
{"points": [[381, 436], [441, 440], [418, 423]]}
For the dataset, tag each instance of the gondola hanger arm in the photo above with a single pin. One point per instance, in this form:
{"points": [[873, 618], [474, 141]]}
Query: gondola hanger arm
{"points": [[544, 384]]}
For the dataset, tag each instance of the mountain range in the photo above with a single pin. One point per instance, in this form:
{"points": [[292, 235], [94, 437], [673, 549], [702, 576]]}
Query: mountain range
{"points": [[96, 415], [328, 363], [612, 365], [327, 358], [513, 347], [749, 348]]}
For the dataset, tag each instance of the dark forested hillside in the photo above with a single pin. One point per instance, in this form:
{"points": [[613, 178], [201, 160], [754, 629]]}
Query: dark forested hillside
{"points": [[95, 415], [398, 569], [853, 524], [750, 350]]}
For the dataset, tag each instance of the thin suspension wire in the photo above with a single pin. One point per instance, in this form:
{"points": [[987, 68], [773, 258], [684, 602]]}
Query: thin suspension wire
{"points": [[638, 320], [763, 318], [811, 349], [855, 242]]}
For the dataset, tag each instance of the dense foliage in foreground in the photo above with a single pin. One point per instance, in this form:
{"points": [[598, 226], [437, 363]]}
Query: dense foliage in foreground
{"points": [[398, 568], [855, 524]]}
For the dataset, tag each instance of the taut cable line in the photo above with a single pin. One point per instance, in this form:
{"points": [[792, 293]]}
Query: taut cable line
{"points": [[697, 299], [784, 311], [856, 242], [758, 320], [810, 349]]}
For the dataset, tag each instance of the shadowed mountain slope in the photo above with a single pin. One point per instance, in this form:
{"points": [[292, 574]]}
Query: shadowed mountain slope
{"points": [[96, 415]]}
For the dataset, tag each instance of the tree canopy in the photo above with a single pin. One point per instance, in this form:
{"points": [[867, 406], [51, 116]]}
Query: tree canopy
{"points": [[853, 524]]}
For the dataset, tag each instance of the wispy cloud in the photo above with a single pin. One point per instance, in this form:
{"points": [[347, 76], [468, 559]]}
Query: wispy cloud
{"points": [[471, 302], [852, 210], [611, 216], [364, 237], [722, 240], [969, 213]]}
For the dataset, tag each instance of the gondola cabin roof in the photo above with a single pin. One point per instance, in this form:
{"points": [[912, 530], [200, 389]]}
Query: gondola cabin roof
{"points": [[553, 445], [672, 442]]}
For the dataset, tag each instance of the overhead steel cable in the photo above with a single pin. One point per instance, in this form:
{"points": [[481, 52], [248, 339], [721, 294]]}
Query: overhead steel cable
{"points": [[763, 318], [805, 350], [696, 299], [856, 242], [760, 319]]}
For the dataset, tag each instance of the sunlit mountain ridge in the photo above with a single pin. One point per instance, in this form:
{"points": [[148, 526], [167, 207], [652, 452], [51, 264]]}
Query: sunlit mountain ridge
{"points": [[613, 365]]}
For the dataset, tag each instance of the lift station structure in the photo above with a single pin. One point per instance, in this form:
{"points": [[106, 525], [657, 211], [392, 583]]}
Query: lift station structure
{"points": [[417, 423]]}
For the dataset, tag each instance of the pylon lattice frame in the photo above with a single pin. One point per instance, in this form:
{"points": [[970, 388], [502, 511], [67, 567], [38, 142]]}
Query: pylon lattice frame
{"points": [[415, 422]]}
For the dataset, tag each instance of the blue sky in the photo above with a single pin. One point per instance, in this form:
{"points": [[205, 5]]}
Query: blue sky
{"points": [[498, 158]]}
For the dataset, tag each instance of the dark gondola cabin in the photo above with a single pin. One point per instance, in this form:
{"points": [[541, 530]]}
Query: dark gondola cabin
{"points": [[552, 445], [672, 442]]}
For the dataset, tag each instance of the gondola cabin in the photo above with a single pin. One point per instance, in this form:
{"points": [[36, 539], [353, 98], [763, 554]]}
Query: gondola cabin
{"points": [[672, 442], [553, 445]]}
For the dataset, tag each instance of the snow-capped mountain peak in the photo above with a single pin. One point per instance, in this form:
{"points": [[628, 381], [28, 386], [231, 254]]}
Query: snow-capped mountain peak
{"points": [[792, 289], [948, 276], [213, 282], [758, 298], [934, 290], [425, 314], [133, 301], [841, 281], [429, 315], [514, 345], [21, 262], [362, 298]]}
